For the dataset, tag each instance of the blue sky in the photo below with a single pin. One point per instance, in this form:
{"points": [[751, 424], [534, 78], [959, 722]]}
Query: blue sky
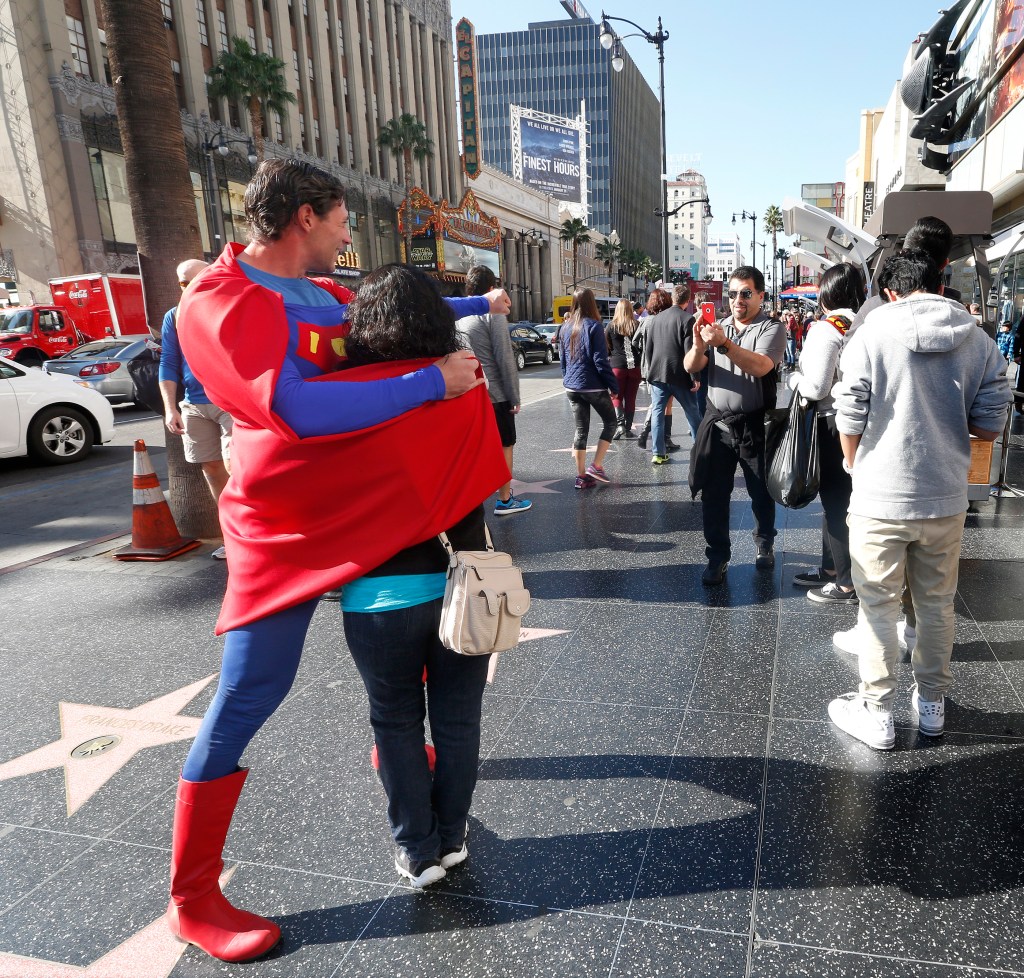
{"points": [[762, 96]]}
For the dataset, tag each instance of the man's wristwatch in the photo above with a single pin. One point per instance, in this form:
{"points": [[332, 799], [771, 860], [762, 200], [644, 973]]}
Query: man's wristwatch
{"points": [[724, 348]]}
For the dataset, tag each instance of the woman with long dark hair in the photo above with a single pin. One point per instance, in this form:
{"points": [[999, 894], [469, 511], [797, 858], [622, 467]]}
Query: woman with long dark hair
{"points": [[840, 295], [392, 614], [587, 377], [624, 356]]}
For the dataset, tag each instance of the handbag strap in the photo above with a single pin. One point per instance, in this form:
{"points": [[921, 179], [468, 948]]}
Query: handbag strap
{"points": [[443, 537]]}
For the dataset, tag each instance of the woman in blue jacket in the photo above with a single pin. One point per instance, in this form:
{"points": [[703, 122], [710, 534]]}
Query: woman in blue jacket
{"points": [[587, 377]]}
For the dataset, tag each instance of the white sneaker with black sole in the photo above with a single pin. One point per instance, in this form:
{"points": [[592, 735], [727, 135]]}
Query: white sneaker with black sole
{"points": [[931, 714], [853, 716], [421, 873]]}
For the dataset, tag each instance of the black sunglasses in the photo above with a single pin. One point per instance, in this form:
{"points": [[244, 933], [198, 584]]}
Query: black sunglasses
{"points": [[744, 294]]}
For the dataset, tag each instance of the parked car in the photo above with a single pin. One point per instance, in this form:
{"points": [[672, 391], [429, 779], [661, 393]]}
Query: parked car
{"points": [[529, 345], [550, 332], [52, 419], [103, 366]]}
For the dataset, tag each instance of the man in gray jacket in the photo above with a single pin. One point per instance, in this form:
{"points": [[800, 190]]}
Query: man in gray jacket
{"points": [[489, 339], [918, 379]]}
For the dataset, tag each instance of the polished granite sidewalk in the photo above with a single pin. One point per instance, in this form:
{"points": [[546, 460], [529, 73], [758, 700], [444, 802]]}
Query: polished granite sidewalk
{"points": [[660, 791]]}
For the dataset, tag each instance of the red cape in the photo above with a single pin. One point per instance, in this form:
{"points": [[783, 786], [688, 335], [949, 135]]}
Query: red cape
{"points": [[302, 516]]}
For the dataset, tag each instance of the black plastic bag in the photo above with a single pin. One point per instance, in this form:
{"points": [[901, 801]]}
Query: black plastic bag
{"points": [[145, 374], [793, 469]]}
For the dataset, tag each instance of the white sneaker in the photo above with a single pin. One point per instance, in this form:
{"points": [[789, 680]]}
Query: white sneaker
{"points": [[850, 641], [931, 715], [907, 636], [874, 727], [219, 554]]}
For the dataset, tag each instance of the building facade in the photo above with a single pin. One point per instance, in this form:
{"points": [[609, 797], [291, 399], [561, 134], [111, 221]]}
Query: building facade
{"points": [[724, 256], [556, 68], [62, 174], [688, 227]]}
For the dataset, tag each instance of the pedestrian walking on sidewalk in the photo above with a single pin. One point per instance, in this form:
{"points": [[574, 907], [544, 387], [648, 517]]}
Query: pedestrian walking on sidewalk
{"points": [[918, 379], [587, 377], [204, 428], [624, 356], [840, 295], [319, 490], [488, 337]]}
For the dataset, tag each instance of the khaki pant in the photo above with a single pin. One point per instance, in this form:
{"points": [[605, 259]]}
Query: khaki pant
{"points": [[927, 552]]}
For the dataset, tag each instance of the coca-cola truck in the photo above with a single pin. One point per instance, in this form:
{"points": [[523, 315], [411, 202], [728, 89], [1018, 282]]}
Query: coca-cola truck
{"points": [[83, 308]]}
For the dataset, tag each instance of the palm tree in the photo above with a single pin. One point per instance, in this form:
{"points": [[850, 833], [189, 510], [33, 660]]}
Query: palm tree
{"points": [[607, 252], [162, 202], [650, 271], [574, 232], [406, 138], [243, 75], [773, 225]]}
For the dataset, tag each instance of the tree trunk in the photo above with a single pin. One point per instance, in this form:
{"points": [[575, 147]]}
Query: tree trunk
{"points": [[407, 174], [162, 201], [575, 270], [256, 124]]}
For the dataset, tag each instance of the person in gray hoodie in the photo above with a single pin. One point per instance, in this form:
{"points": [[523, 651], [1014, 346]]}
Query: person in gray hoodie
{"points": [[918, 379]]}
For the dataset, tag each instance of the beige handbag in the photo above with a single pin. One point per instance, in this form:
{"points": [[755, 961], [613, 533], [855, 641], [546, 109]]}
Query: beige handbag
{"points": [[484, 600]]}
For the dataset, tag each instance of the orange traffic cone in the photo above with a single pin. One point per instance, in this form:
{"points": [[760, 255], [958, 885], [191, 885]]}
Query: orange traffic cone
{"points": [[154, 533]]}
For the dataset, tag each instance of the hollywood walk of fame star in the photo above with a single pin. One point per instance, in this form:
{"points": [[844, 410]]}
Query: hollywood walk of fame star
{"points": [[153, 952], [97, 741], [534, 488]]}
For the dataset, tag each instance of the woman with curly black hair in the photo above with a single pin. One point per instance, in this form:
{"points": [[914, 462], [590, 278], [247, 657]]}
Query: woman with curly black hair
{"points": [[392, 615]]}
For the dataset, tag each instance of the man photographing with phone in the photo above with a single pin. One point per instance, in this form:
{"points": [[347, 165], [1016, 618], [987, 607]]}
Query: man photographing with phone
{"points": [[742, 353]]}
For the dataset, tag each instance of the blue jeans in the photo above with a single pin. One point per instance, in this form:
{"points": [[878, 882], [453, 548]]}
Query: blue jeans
{"points": [[390, 650], [660, 396]]}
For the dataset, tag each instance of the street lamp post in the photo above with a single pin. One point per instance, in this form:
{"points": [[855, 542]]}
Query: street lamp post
{"points": [[609, 41], [221, 143], [665, 215], [752, 217]]}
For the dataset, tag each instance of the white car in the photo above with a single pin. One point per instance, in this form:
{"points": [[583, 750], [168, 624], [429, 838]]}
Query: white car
{"points": [[51, 418]]}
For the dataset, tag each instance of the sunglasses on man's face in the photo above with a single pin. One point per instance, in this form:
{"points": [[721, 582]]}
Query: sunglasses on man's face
{"points": [[744, 294]]}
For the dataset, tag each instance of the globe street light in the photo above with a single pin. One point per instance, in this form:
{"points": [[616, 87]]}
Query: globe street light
{"points": [[611, 41]]}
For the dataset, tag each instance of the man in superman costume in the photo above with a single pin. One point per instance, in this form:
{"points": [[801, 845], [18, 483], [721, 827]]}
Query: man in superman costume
{"points": [[329, 479]]}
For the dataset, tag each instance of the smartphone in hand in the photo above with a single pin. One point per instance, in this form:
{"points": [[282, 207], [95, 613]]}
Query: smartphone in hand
{"points": [[707, 312]]}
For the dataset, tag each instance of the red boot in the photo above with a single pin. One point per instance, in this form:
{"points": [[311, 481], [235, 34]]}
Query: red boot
{"points": [[198, 912]]}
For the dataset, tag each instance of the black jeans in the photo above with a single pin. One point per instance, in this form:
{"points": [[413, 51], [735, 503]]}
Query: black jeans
{"points": [[835, 489], [582, 402], [717, 491], [390, 650]]}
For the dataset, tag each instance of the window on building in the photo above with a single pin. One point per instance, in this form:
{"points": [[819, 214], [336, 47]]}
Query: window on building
{"points": [[168, 12], [179, 83], [279, 128], [79, 52], [204, 34], [309, 68], [222, 30], [252, 37], [316, 137], [270, 45], [295, 62]]}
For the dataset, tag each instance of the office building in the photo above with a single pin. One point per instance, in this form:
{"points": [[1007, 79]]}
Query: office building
{"points": [[688, 227], [554, 68], [352, 67]]}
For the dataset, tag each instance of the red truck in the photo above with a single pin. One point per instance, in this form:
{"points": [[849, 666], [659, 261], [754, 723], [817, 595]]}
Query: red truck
{"points": [[84, 307]]}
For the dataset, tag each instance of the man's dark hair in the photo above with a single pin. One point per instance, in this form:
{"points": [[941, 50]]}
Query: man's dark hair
{"points": [[747, 273], [909, 271], [841, 287], [399, 314], [480, 280], [279, 188], [680, 294], [931, 235]]}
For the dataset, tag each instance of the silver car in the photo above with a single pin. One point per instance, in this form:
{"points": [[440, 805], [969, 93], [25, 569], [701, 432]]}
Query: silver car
{"points": [[103, 366]]}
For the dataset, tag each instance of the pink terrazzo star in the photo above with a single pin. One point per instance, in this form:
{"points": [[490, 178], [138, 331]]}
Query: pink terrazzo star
{"points": [[97, 741], [151, 953]]}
